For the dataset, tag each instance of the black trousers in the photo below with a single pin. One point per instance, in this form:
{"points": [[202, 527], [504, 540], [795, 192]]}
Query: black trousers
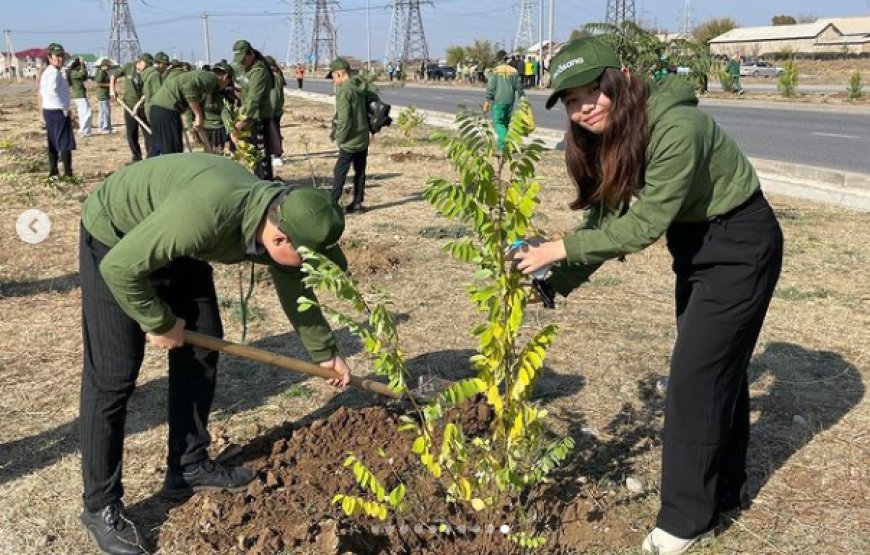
{"points": [[258, 139], [114, 346], [166, 131], [60, 141], [339, 174], [132, 126], [726, 270]]}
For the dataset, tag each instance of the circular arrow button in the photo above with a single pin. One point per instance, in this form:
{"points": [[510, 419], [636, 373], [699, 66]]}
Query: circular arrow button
{"points": [[33, 226]]}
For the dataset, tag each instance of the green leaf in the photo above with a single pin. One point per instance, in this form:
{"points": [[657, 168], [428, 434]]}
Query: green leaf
{"points": [[418, 446], [477, 504]]}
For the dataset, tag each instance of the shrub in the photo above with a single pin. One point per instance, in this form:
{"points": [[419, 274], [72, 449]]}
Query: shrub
{"points": [[788, 80], [855, 89], [409, 119]]}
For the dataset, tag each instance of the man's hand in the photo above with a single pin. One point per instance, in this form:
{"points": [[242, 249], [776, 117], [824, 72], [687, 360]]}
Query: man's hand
{"points": [[241, 125], [341, 368], [486, 106], [170, 340]]}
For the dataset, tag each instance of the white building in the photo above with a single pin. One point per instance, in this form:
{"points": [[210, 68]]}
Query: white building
{"points": [[827, 35]]}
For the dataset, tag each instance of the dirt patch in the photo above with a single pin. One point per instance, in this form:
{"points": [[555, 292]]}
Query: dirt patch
{"points": [[410, 156], [364, 259]]}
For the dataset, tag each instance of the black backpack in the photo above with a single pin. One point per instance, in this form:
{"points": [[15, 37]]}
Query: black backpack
{"points": [[379, 115]]}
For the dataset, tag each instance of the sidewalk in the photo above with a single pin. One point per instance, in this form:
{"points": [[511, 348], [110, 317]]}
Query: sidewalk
{"points": [[828, 186]]}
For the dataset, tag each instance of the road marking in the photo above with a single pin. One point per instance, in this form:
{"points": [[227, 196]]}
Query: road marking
{"points": [[837, 136]]}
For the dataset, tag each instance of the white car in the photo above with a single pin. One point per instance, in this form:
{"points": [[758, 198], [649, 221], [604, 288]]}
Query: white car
{"points": [[759, 68]]}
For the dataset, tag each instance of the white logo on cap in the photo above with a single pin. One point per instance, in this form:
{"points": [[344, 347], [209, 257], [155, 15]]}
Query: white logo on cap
{"points": [[567, 65]]}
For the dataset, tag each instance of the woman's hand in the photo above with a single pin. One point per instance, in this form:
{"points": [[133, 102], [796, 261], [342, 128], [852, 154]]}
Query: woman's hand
{"points": [[529, 258]]}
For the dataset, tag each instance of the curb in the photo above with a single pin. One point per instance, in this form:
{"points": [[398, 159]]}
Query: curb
{"points": [[824, 185]]}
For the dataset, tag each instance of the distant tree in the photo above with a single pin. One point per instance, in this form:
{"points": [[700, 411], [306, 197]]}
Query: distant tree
{"points": [[455, 54], [501, 55], [806, 18], [712, 28], [637, 48], [579, 34], [783, 20], [483, 51]]}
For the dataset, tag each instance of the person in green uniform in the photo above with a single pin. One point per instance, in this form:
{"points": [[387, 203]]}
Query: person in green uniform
{"points": [[147, 236], [186, 90], [276, 98], [132, 98], [216, 115], [503, 87], [78, 76], [733, 70], [350, 131], [256, 112], [628, 138], [102, 80], [152, 79]]}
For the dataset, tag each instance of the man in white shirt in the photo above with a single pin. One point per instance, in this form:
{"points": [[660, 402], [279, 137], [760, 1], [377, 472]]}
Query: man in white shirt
{"points": [[54, 100]]}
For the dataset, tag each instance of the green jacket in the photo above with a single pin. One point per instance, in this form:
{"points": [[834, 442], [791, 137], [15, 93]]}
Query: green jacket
{"points": [[256, 84], [351, 114], [151, 82], [694, 172], [77, 78], [198, 205], [101, 77], [133, 85], [178, 90], [214, 111], [504, 85], [276, 95]]}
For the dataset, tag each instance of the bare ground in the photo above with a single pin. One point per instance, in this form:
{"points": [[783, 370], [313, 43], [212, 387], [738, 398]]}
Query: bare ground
{"points": [[809, 451]]}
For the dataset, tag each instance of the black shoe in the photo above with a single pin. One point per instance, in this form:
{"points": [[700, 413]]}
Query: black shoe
{"points": [[208, 476], [112, 531], [351, 208]]}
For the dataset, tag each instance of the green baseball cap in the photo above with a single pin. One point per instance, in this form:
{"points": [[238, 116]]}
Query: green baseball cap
{"points": [[161, 57], [146, 57], [56, 49], [311, 219], [241, 48], [579, 63], [224, 67], [337, 64]]}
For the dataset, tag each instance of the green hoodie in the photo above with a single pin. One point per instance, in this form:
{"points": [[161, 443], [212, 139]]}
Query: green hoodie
{"points": [[178, 90], [198, 205], [256, 84], [694, 172], [351, 114], [504, 85]]}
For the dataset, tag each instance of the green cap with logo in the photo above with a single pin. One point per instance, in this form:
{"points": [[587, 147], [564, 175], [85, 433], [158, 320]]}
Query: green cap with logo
{"points": [[161, 57], [56, 49], [311, 219], [241, 48], [579, 63], [225, 67], [146, 57], [336, 65]]}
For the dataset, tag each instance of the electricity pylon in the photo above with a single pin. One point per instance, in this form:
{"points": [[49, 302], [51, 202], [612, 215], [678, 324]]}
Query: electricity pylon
{"points": [[123, 41], [525, 29], [323, 36], [619, 11]]}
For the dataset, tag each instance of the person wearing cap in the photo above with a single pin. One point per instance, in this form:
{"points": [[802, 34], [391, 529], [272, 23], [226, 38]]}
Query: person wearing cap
{"points": [[276, 98], [54, 108], [77, 75], [148, 235], [133, 99], [350, 130], [185, 90], [216, 116], [629, 137], [503, 87], [257, 112], [103, 82]]}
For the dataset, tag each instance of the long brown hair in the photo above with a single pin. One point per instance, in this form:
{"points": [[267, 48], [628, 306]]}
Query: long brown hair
{"points": [[609, 167]]}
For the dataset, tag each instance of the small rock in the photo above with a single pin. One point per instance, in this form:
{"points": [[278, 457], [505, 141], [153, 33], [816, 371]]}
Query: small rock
{"points": [[799, 420], [581, 479], [272, 480], [634, 485], [328, 537]]}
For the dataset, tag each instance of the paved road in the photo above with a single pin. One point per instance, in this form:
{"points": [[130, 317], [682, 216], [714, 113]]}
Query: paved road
{"points": [[826, 138]]}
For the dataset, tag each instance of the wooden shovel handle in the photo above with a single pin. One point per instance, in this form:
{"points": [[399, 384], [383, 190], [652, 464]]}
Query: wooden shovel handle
{"points": [[281, 361]]}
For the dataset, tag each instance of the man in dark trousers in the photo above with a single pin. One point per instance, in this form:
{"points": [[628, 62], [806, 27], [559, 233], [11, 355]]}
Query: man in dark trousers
{"points": [[256, 83], [54, 105], [133, 98], [148, 234], [350, 131]]}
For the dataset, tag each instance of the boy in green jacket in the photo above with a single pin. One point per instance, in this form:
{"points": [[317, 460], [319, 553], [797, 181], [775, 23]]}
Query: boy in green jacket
{"points": [[132, 98], [148, 234], [503, 86], [101, 78], [257, 111], [186, 90], [78, 75], [350, 131]]}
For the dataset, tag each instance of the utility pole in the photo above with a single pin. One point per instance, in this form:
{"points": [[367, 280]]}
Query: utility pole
{"points": [[296, 50], [323, 33], [11, 58], [416, 46], [369, 35], [525, 30], [619, 11], [540, 76], [687, 17], [123, 41], [396, 37], [205, 38]]}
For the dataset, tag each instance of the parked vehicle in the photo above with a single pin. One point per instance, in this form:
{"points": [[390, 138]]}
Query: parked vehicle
{"points": [[759, 68]]}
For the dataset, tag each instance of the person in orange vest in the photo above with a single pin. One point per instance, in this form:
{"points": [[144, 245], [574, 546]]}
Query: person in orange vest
{"points": [[300, 74]]}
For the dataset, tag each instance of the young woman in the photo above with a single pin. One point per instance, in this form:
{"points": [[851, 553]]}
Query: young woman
{"points": [[631, 138]]}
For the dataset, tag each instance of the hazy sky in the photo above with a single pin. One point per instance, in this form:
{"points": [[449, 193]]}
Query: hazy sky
{"points": [[176, 27]]}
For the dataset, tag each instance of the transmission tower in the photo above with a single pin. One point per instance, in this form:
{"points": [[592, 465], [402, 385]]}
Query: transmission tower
{"points": [[396, 38], [687, 18], [123, 41], [619, 11], [9, 52], [323, 36], [296, 51], [415, 47], [525, 28]]}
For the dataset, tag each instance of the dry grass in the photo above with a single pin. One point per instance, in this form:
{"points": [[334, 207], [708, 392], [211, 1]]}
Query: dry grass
{"points": [[809, 475]]}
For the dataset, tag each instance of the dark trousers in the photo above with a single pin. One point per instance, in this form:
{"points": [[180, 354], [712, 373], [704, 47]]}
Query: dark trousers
{"points": [[339, 174], [258, 139], [298, 83], [132, 126], [166, 130], [114, 346], [726, 270], [60, 141]]}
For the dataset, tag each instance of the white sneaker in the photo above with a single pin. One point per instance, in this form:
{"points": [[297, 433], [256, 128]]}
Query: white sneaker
{"points": [[660, 542]]}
